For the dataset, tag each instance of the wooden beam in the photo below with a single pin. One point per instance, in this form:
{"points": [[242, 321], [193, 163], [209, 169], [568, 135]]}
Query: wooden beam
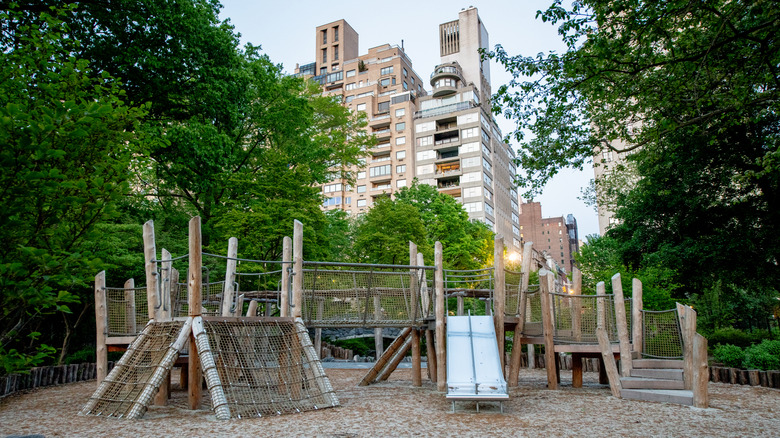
{"points": [[415, 336], [701, 372], [229, 292], [150, 266], [194, 301], [441, 358], [545, 280], [499, 297], [252, 310], [637, 322], [284, 298], [688, 326], [382, 361], [576, 308], [101, 327], [297, 286], [622, 325], [130, 322], [609, 361]]}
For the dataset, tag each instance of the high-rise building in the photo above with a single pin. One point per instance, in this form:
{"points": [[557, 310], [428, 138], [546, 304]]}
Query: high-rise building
{"points": [[605, 161], [448, 139], [382, 84], [554, 236], [458, 144]]}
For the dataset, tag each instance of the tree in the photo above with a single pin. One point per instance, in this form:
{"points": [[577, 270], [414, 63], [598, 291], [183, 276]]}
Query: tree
{"points": [[66, 138], [383, 234]]}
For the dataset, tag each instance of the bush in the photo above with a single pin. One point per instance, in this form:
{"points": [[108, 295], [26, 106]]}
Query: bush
{"points": [[730, 335], [86, 354], [729, 355], [764, 356]]}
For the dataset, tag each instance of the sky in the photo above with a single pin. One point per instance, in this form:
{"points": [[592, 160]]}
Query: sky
{"points": [[285, 30]]}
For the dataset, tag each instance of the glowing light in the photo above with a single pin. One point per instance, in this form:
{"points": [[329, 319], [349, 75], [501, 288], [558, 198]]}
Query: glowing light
{"points": [[513, 257]]}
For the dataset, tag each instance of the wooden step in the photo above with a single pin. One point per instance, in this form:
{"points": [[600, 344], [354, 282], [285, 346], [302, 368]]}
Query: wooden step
{"points": [[680, 397], [657, 363], [657, 373], [647, 383]]}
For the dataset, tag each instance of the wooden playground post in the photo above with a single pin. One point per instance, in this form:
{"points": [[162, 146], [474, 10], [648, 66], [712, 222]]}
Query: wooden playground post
{"points": [[608, 366], [252, 310], [441, 358], [130, 322], [688, 326], [425, 298], [499, 297], [415, 288], [297, 283], [576, 308], [165, 285], [194, 301], [230, 279], [284, 295], [701, 371], [517, 347], [545, 286], [379, 343], [150, 255], [601, 316], [622, 325], [101, 318], [637, 322]]}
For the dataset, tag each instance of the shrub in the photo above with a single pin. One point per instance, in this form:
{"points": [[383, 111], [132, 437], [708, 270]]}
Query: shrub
{"points": [[764, 356], [729, 355], [86, 354], [730, 335]]}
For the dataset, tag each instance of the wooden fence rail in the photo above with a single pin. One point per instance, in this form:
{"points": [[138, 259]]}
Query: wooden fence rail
{"points": [[40, 377]]}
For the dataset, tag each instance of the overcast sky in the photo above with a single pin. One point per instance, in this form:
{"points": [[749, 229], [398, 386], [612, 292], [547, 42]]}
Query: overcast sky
{"points": [[285, 31]]}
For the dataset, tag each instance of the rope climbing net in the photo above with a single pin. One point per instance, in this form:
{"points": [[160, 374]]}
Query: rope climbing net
{"points": [[127, 310], [662, 337]]}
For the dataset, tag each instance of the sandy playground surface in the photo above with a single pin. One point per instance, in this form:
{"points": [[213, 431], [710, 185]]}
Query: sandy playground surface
{"points": [[395, 408]]}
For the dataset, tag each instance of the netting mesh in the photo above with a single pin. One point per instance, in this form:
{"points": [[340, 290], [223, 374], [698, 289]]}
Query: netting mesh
{"points": [[533, 312], [211, 295], [662, 337], [513, 281], [263, 287], [349, 297], [128, 389], [266, 367], [126, 310]]}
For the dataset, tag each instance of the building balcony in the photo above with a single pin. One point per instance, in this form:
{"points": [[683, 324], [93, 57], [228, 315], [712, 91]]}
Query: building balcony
{"points": [[446, 71]]}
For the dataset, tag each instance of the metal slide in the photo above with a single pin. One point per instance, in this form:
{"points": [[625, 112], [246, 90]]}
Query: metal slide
{"points": [[473, 362]]}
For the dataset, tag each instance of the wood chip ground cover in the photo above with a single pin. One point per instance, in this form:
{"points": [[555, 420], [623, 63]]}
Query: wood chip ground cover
{"points": [[395, 408]]}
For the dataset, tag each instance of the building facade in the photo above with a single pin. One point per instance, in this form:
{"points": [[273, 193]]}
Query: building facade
{"points": [[556, 237]]}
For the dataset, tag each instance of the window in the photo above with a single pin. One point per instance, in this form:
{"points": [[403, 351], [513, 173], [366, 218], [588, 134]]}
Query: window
{"points": [[412, 80], [400, 155], [485, 137], [425, 169], [470, 177], [332, 188], [331, 201], [335, 33], [361, 203], [606, 156], [401, 168], [348, 200], [515, 218], [426, 155], [472, 207], [361, 189], [361, 107], [405, 72], [324, 55], [384, 82], [400, 140], [471, 192], [386, 70], [425, 141], [471, 162], [488, 195], [485, 150], [515, 230], [488, 180], [400, 112], [379, 170], [377, 158], [470, 132], [324, 36], [400, 126], [361, 175], [424, 127], [400, 183], [383, 107], [489, 209], [468, 147], [467, 118], [350, 73], [351, 86], [335, 53], [406, 86], [486, 164]]}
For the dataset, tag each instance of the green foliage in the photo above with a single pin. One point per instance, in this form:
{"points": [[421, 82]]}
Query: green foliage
{"points": [[86, 354], [763, 356], [383, 234], [729, 355], [740, 338]]}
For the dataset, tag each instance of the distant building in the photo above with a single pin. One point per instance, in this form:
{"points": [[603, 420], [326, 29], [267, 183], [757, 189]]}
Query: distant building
{"points": [[556, 236]]}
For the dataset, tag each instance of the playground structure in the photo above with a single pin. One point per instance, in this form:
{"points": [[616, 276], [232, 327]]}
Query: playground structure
{"points": [[316, 295]]}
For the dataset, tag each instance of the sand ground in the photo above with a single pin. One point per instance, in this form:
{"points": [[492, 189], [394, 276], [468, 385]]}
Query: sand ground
{"points": [[395, 408]]}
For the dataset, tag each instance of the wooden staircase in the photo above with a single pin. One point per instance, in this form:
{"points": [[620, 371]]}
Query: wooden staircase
{"points": [[658, 380]]}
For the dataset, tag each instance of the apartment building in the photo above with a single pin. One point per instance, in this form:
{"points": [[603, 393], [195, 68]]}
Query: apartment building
{"points": [[554, 236], [382, 84], [458, 144]]}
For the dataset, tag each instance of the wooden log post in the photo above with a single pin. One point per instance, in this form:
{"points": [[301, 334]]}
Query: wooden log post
{"points": [[194, 301], [130, 322], [228, 292], [701, 372], [252, 310], [165, 285], [576, 308], [545, 286], [441, 358], [601, 316], [318, 331], [688, 326], [459, 301], [297, 283], [379, 343], [637, 321], [517, 350], [425, 300], [608, 361], [416, 314], [101, 327], [284, 296], [499, 297], [622, 326], [152, 280]]}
